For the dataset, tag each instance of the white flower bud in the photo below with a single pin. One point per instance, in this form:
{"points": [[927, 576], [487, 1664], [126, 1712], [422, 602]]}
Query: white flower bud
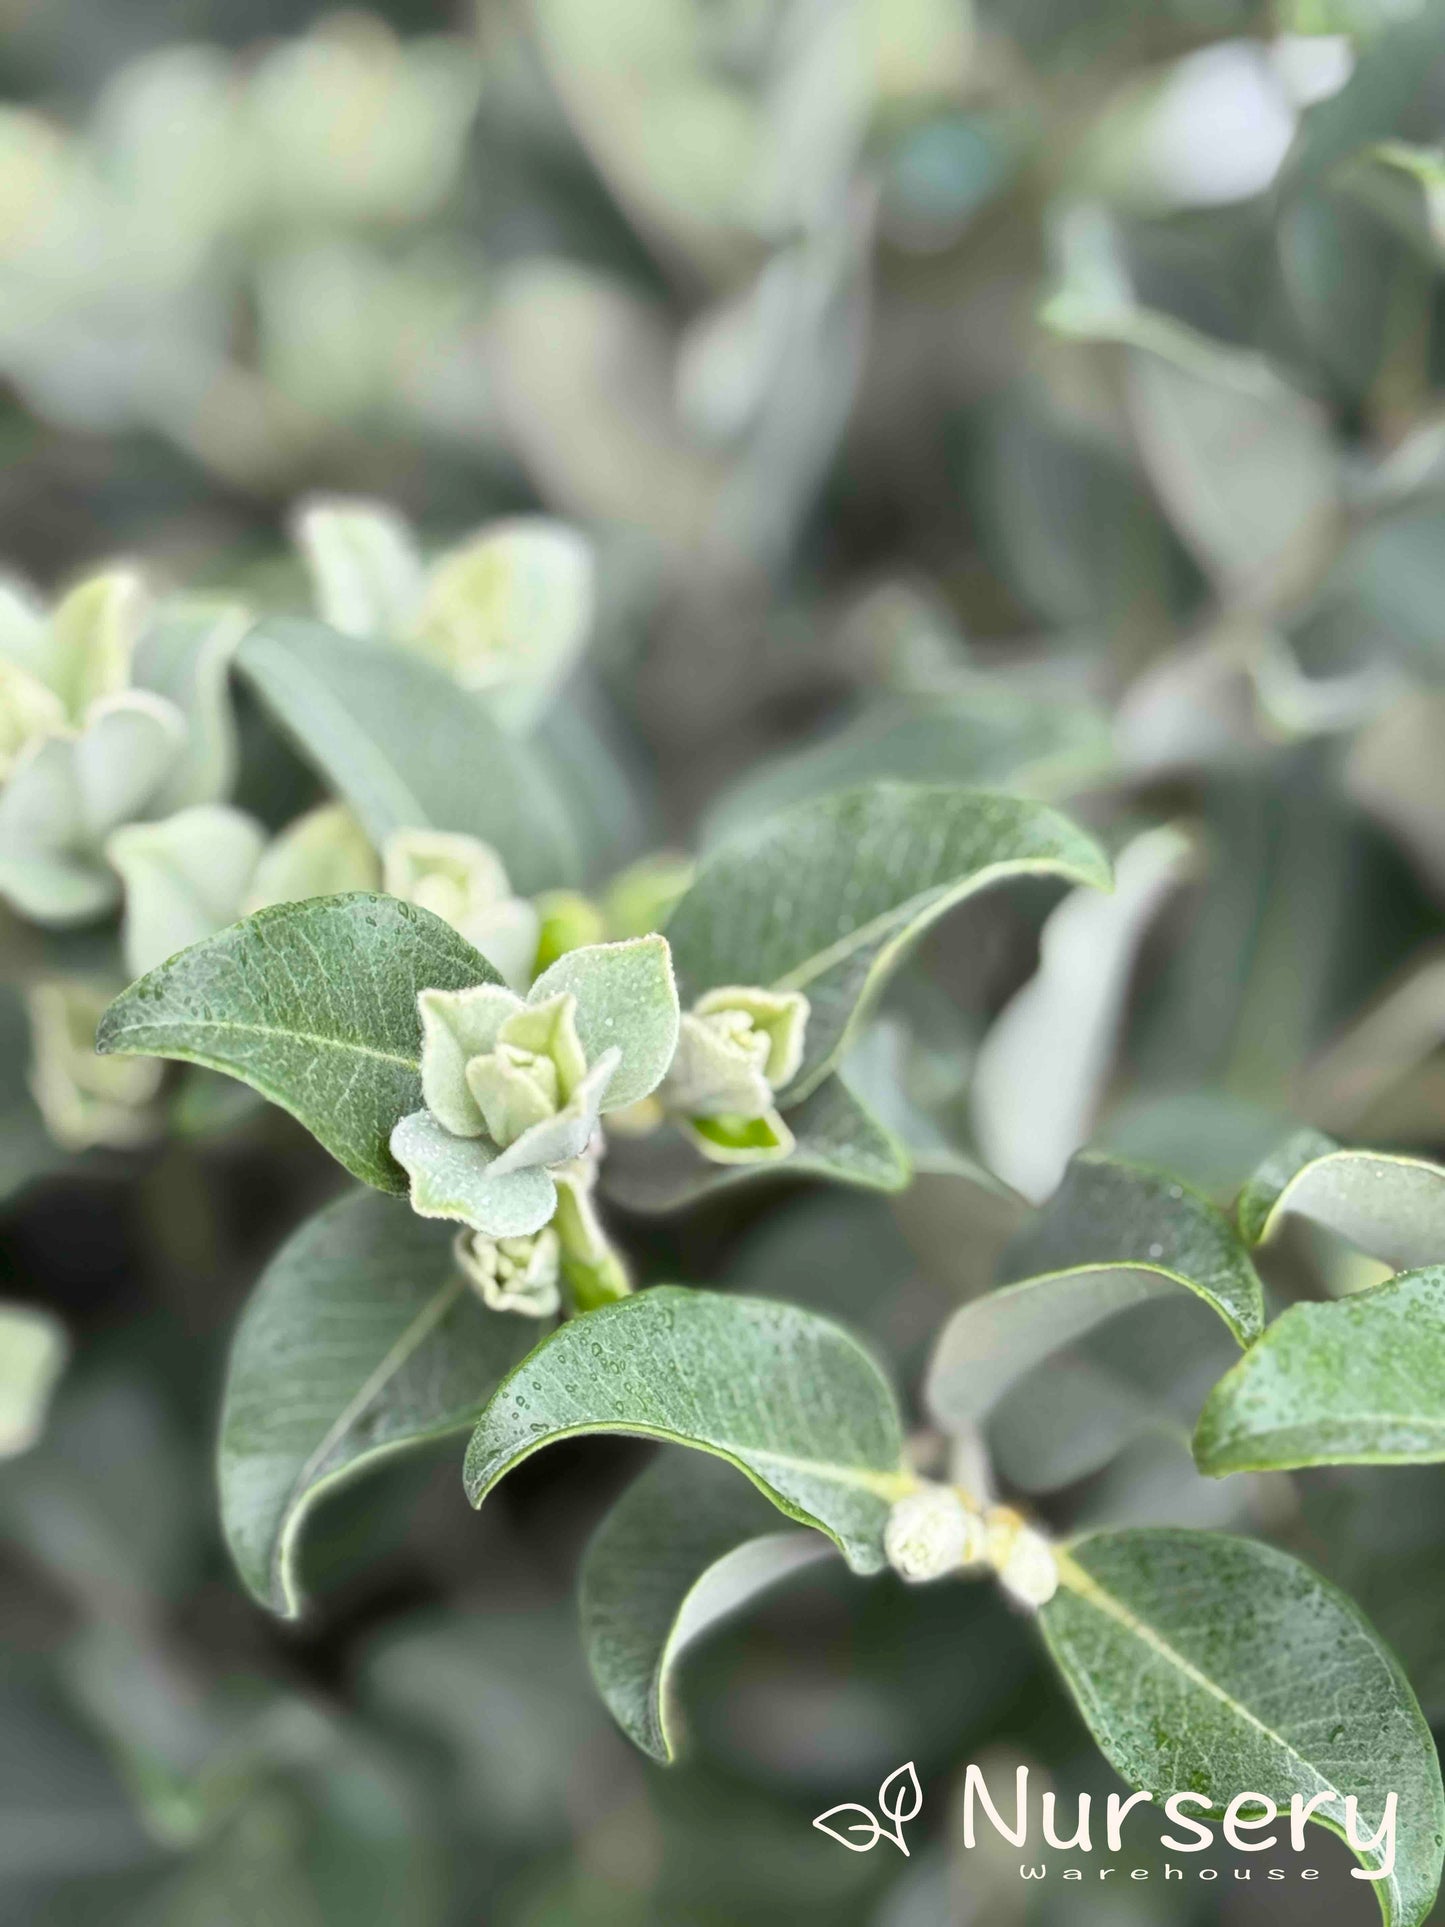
{"points": [[1022, 1557], [932, 1532]]}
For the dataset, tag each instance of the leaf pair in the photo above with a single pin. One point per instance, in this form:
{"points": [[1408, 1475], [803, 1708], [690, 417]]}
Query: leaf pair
{"points": [[1359, 1380]]}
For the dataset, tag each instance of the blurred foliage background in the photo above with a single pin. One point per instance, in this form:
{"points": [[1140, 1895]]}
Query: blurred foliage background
{"points": [[1042, 394]]}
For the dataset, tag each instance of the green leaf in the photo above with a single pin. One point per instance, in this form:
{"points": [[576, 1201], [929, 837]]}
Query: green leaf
{"points": [[687, 1544], [1112, 1236], [185, 878], [1359, 1381], [1217, 1666], [67, 793], [362, 1338], [406, 748], [452, 1177], [1042, 1070], [1242, 462], [314, 1005], [627, 1000], [1390, 1206], [828, 897], [366, 573], [789, 1398], [835, 1137], [980, 734], [185, 654]]}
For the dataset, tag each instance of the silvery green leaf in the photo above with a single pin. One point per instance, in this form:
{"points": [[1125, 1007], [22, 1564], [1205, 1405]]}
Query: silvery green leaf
{"points": [[984, 733], [1113, 1235], [323, 853], [453, 1177], [456, 1026], [362, 1338], [184, 654], [508, 613], [85, 1099], [568, 1132], [834, 1137], [1386, 1204], [185, 877], [626, 998], [33, 1351], [407, 749], [1042, 1070], [90, 638], [688, 1544], [366, 571], [787, 1397], [1243, 462], [64, 796], [828, 897], [1357, 1381], [1213, 1665], [315, 1006]]}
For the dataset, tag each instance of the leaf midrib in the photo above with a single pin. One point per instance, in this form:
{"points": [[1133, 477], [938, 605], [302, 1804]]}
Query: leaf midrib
{"points": [[227, 1025], [1087, 1588], [398, 1352], [844, 947]]}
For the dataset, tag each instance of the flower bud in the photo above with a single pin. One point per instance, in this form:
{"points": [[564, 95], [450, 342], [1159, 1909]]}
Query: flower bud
{"points": [[513, 1274], [1022, 1557], [931, 1533]]}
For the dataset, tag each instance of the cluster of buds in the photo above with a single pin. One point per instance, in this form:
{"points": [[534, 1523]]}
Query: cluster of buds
{"points": [[937, 1531], [737, 1047]]}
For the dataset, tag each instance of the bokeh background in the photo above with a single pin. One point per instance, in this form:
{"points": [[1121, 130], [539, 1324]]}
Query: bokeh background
{"points": [[1039, 393]]}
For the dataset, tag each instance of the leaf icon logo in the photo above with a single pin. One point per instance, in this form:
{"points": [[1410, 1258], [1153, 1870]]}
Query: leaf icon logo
{"points": [[900, 1799]]}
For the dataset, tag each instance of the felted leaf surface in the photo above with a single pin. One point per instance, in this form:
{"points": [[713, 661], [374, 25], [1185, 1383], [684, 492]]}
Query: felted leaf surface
{"points": [[787, 1397], [835, 1137], [627, 1001], [687, 1544], [314, 1005], [1359, 1380], [827, 897], [361, 1338], [1113, 1235], [406, 748], [1390, 1206], [1217, 1665]]}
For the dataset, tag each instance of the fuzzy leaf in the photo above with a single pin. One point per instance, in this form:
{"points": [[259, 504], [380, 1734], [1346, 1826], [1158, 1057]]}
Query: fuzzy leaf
{"points": [[627, 1001], [1215, 1665], [787, 1397], [1357, 1381], [827, 897], [1113, 1235], [687, 1544], [361, 1338], [365, 570], [67, 793], [406, 748], [453, 1177], [185, 878], [314, 1005], [835, 1137], [1390, 1206]]}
